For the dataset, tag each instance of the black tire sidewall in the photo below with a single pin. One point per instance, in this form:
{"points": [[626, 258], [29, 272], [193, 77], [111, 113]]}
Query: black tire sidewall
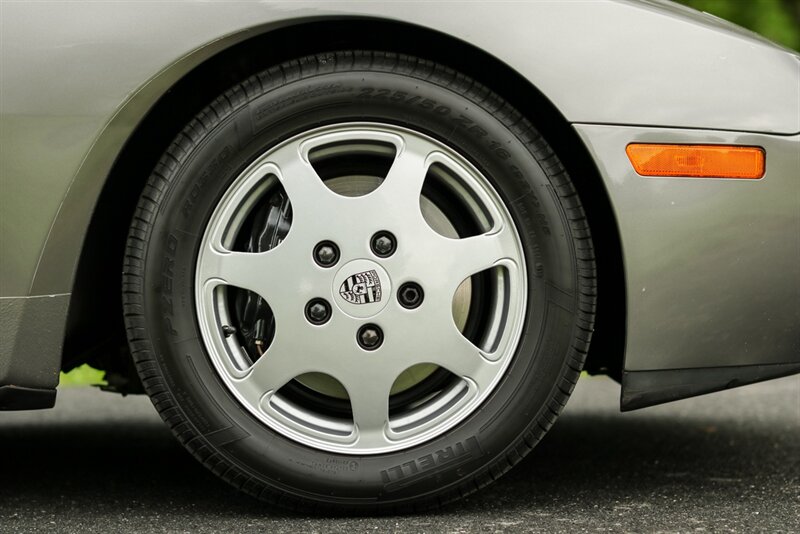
{"points": [[203, 171]]}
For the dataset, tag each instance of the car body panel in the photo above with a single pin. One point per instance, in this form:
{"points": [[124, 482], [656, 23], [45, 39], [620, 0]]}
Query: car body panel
{"points": [[31, 331], [78, 77], [641, 389], [711, 265], [68, 102]]}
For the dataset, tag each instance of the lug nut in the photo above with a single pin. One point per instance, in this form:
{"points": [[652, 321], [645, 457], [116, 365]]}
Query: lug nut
{"points": [[326, 254], [370, 337], [410, 295], [318, 311], [383, 244]]}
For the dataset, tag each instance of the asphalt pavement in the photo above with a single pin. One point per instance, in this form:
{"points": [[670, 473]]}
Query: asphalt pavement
{"points": [[727, 462]]}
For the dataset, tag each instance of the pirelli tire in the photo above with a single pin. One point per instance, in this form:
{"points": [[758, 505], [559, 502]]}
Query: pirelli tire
{"points": [[252, 347]]}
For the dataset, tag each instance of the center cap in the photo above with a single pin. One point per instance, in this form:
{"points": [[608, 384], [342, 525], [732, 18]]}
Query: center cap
{"points": [[361, 288]]}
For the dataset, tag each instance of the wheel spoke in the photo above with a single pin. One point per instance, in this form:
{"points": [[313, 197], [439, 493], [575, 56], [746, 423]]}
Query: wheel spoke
{"points": [[437, 340], [277, 366], [403, 184], [307, 192], [369, 391], [471, 255], [458, 355], [429, 334], [263, 273]]}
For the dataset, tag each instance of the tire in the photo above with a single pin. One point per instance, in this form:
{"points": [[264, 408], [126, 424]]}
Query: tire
{"points": [[529, 315]]}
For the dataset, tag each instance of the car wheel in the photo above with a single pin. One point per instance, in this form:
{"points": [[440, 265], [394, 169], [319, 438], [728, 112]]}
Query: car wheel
{"points": [[359, 281]]}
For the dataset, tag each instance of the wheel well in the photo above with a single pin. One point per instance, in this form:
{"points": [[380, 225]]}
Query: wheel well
{"points": [[95, 332]]}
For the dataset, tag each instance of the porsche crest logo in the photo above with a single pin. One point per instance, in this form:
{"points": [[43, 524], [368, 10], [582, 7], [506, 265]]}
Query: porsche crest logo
{"points": [[361, 288]]}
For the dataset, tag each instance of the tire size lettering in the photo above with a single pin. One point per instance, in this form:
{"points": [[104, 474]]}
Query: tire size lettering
{"points": [[403, 97]]}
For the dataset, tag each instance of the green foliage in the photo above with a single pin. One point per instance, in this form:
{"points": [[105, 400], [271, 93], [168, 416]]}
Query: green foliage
{"points": [[778, 20], [82, 376]]}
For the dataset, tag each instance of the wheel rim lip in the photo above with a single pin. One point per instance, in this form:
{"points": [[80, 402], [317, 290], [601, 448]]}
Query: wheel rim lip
{"points": [[212, 341]]}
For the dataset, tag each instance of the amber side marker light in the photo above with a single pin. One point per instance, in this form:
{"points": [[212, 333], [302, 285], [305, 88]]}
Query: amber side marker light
{"points": [[697, 161]]}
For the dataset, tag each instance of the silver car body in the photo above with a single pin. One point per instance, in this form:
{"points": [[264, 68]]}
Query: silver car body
{"points": [[711, 268]]}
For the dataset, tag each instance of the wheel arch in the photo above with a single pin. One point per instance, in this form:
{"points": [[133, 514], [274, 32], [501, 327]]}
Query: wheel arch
{"points": [[95, 333]]}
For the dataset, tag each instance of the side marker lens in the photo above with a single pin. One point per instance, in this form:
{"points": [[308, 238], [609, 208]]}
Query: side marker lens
{"points": [[697, 161]]}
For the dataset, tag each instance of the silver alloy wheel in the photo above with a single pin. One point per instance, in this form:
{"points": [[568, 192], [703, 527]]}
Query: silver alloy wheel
{"points": [[287, 277]]}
